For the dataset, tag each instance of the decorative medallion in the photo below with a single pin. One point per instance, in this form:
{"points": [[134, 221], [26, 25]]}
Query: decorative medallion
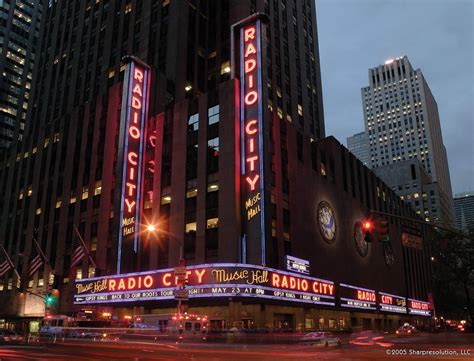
{"points": [[362, 246], [327, 222]]}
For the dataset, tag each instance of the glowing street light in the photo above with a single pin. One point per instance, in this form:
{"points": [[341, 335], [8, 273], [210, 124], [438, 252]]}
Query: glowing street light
{"points": [[151, 228]]}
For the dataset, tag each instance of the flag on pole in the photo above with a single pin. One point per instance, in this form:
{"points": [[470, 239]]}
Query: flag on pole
{"points": [[80, 251], [34, 265], [77, 255], [5, 266]]}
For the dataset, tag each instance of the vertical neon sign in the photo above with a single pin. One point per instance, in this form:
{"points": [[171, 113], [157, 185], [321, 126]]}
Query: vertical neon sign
{"points": [[251, 133], [131, 146]]}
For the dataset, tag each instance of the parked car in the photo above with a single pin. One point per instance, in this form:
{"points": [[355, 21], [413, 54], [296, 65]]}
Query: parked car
{"points": [[406, 330], [7, 336], [321, 339]]}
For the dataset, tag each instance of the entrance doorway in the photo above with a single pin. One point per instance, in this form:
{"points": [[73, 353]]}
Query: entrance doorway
{"points": [[283, 322]]}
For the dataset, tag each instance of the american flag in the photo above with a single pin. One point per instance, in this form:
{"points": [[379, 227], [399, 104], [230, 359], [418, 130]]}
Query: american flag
{"points": [[5, 266], [77, 255], [35, 265], [80, 251]]}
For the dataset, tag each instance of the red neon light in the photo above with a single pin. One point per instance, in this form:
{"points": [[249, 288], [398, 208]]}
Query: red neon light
{"points": [[366, 296], [249, 33], [419, 305], [251, 98], [251, 128], [132, 157], [301, 284], [252, 181], [388, 300]]}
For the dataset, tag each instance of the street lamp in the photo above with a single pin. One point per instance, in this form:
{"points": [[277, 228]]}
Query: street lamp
{"points": [[151, 228]]}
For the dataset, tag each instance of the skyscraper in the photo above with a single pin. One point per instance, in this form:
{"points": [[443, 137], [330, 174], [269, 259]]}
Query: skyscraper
{"points": [[464, 211], [358, 144], [19, 31], [402, 121], [202, 120]]}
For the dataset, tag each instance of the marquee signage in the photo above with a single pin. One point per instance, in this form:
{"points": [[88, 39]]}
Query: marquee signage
{"points": [[356, 297], [131, 147], [297, 264], [209, 280], [416, 307], [392, 303], [248, 68]]}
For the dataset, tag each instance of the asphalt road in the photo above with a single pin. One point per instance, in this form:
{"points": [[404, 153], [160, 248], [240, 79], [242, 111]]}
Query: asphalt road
{"points": [[447, 347]]}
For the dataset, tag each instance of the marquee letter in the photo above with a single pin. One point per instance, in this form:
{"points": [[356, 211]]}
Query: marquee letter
{"points": [[131, 187], [166, 280], [252, 161], [136, 103], [134, 132], [137, 89], [138, 75], [200, 275], [252, 182], [132, 158], [251, 97], [250, 50], [249, 128], [129, 205], [148, 281], [249, 65], [112, 284], [249, 34], [131, 283]]}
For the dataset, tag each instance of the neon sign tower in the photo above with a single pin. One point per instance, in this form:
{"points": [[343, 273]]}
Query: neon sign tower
{"points": [[254, 135], [131, 148]]}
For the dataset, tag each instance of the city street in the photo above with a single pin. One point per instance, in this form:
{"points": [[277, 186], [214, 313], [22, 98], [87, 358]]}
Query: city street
{"points": [[454, 346]]}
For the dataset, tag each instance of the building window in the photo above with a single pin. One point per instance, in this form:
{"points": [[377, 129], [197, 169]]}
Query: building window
{"points": [[79, 273], [193, 122], [213, 115]]}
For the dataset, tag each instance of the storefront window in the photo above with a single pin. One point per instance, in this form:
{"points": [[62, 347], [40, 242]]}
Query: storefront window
{"points": [[309, 324], [342, 323], [321, 323], [332, 323]]}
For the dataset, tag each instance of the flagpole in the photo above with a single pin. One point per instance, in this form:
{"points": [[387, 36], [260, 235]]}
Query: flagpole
{"points": [[40, 251], [84, 246], [10, 262]]}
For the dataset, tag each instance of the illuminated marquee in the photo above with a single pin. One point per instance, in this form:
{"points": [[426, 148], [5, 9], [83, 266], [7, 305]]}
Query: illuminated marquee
{"points": [[251, 106], [392, 303], [132, 138], [356, 297], [209, 280], [416, 307]]}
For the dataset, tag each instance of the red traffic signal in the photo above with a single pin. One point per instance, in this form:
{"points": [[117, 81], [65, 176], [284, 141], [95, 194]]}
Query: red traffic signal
{"points": [[382, 229], [367, 225]]}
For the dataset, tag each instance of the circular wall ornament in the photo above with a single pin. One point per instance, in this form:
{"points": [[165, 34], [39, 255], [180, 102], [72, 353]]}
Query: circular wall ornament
{"points": [[326, 222], [362, 246]]}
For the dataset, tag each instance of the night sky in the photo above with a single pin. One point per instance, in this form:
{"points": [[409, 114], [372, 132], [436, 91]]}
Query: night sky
{"points": [[436, 35]]}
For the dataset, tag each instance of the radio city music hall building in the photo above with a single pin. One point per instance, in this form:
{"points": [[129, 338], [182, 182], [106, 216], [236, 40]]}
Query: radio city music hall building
{"points": [[213, 132]]}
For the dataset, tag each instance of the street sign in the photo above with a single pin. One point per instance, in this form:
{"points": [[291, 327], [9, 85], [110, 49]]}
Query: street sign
{"points": [[180, 271], [181, 295]]}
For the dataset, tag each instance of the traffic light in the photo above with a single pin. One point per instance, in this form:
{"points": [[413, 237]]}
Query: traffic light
{"points": [[186, 283], [368, 226], [382, 229], [49, 299]]}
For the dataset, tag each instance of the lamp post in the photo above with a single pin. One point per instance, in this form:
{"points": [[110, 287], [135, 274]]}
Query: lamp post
{"points": [[151, 228]]}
